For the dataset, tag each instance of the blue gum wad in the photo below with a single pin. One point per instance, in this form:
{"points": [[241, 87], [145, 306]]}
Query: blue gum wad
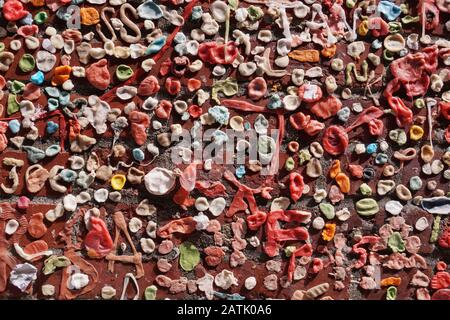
{"points": [[220, 114], [34, 154], [390, 10]]}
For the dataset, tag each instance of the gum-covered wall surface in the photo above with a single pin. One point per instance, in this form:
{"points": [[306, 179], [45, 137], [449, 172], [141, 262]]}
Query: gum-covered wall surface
{"points": [[225, 149]]}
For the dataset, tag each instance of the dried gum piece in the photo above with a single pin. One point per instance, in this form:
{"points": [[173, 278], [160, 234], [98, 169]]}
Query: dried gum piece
{"points": [[305, 55]]}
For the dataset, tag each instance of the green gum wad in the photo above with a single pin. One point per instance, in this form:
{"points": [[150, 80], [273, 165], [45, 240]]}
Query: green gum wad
{"points": [[396, 243], [189, 256], [303, 156], [16, 86], [27, 62], [365, 189], [2, 46], [255, 13], [391, 293], [395, 27], [367, 207], [398, 135], [350, 4], [124, 72], [289, 250], [13, 106], [435, 230], [228, 87], [290, 163], [387, 55], [419, 103], [410, 19], [53, 262], [233, 4], [327, 210], [150, 292], [41, 17]]}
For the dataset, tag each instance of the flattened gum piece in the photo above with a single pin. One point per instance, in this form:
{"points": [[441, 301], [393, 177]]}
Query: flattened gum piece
{"points": [[310, 55], [98, 74], [36, 226]]}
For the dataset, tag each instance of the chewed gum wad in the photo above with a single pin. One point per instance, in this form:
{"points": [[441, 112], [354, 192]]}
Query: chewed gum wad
{"points": [[224, 149]]}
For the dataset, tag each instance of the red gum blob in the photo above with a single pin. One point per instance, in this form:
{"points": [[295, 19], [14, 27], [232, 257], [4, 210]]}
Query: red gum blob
{"points": [[98, 242], [148, 86], [214, 256], [430, 10], [326, 107], [26, 31], [317, 265], [195, 111], [392, 87], [215, 53], [296, 185], [164, 69], [3, 138], [98, 74], [431, 58], [182, 198], [2, 82], [408, 68], [172, 86], [376, 127], [189, 176], [194, 84], [447, 134], [378, 26], [441, 266], [36, 226], [274, 234], [31, 92], [303, 251], [36, 247], [300, 121], [441, 280], [445, 109], [314, 127], [74, 129], [335, 140], [242, 105], [164, 109], [418, 87], [444, 239], [238, 204], [403, 114], [210, 189], [23, 202], [139, 123], [257, 88], [183, 226], [256, 220], [356, 170], [366, 116], [441, 294], [13, 10], [361, 251], [310, 92]]}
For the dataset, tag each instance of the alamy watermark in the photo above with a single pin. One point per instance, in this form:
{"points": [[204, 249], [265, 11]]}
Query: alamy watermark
{"points": [[227, 147]]}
